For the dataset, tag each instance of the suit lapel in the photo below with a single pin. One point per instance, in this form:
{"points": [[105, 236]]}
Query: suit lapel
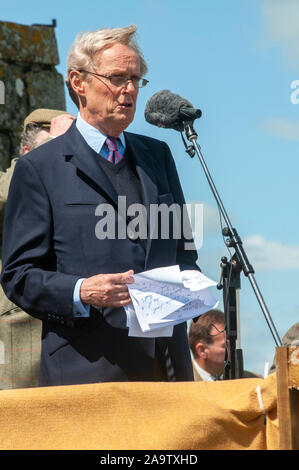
{"points": [[84, 158]]}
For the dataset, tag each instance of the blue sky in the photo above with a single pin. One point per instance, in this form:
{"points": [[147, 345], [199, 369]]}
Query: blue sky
{"points": [[236, 61]]}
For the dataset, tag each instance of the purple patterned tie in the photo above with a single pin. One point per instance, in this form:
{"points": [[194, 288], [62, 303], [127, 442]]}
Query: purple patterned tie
{"points": [[114, 155]]}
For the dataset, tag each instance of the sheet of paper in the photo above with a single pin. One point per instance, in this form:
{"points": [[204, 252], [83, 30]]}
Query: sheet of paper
{"points": [[195, 280], [164, 297], [135, 329]]}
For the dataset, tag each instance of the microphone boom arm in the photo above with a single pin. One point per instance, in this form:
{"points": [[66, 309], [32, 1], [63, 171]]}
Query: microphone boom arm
{"points": [[234, 240]]}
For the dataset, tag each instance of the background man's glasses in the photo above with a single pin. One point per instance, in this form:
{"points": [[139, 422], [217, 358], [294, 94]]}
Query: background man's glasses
{"points": [[119, 81], [214, 331]]}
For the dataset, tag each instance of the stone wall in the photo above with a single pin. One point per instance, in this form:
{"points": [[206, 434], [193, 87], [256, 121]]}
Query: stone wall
{"points": [[28, 80]]}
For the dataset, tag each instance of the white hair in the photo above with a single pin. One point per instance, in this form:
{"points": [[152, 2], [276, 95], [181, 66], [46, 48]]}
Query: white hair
{"points": [[88, 45]]}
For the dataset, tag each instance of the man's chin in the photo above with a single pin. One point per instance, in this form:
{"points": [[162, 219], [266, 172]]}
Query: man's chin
{"points": [[124, 119]]}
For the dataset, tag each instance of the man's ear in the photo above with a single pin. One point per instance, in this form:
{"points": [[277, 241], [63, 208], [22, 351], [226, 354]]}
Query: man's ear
{"points": [[26, 149], [200, 349], [76, 82]]}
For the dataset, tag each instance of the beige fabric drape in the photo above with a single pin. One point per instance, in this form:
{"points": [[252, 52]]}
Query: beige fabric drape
{"points": [[141, 416]]}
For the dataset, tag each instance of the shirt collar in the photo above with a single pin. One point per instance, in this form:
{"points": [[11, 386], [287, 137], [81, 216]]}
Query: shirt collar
{"points": [[206, 376], [94, 137]]}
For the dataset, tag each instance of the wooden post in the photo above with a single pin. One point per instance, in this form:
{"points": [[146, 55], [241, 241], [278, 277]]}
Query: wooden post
{"points": [[287, 371]]}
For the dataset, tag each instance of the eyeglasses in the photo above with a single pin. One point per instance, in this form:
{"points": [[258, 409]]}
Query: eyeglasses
{"points": [[119, 81], [210, 329]]}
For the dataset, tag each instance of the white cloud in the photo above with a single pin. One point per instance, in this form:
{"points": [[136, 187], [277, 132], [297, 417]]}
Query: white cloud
{"points": [[282, 26], [283, 128], [263, 254], [267, 255]]}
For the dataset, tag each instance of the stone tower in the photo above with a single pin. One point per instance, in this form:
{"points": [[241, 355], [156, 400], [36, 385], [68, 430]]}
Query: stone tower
{"points": [[28, 80]]}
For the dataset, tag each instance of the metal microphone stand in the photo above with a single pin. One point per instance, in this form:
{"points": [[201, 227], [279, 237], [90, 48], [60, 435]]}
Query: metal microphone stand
{"points": [[231, 283], [230, 270]]}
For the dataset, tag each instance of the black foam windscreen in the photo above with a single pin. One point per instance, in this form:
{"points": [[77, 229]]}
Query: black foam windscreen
{"points": [[163, 110]]}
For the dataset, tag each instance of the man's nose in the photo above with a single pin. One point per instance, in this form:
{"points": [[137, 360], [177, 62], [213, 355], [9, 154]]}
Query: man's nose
{"points": [[129, 87]]}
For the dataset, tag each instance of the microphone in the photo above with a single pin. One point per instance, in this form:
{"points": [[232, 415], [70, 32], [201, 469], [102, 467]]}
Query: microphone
{"points": [[166, 109]]}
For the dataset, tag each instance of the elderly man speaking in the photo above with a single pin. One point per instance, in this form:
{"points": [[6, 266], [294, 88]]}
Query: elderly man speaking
{"points": [[55, 265]]}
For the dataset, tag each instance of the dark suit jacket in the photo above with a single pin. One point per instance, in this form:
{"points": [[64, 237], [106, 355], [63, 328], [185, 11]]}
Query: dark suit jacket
{"points": [[49, 243]]}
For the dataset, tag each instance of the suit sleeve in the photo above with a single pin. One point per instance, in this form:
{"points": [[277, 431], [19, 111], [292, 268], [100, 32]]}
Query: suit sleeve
{"points": [[29, 270], [186, 258]]}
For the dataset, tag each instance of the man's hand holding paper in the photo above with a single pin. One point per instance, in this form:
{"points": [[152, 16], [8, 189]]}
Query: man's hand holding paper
{"points": [[164, 297]]}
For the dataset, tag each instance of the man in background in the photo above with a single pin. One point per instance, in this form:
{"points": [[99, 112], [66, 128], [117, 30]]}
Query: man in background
{"points": [[207, 340], [40, 126], [19, 332], [291, 337], [210, 347]]}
